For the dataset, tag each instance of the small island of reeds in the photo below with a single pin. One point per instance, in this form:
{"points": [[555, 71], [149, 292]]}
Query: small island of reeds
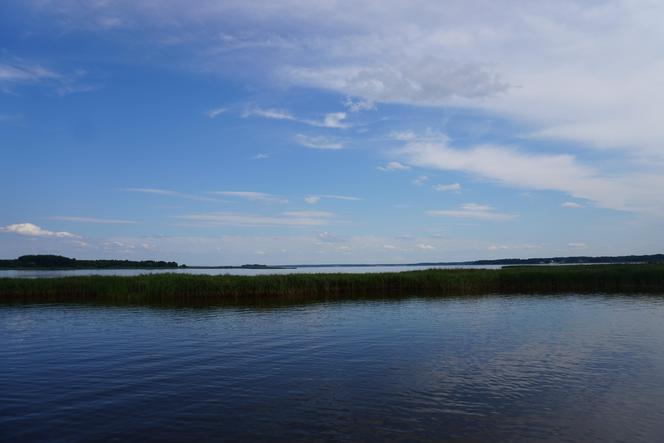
{"points": [[171, 287]]}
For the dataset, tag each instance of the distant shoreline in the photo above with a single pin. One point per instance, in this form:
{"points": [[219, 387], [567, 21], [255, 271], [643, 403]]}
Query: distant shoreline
{"points": [[59, 263]]}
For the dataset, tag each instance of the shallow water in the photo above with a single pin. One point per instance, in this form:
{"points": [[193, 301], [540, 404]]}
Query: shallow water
{"points": [[303, 270], [531, 368]]}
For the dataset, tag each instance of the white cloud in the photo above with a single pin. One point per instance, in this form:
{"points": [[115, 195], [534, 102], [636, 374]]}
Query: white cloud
{"points": [[555, 65], [252, 196], [328, 237], [91, 220], [318, 142], [260, 156], [312, 199], [421, 180], [559, 172], [570, 205], [452, 187], [333, 120], [577, 245], [393, 166], [426, 247], [212, 113], [274, 114], [433, 80], [359, 105], [474, 211], [30, 230]]}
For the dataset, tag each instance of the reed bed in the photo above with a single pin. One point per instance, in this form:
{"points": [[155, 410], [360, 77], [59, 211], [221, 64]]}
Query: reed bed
{"points": [[644, 278]]}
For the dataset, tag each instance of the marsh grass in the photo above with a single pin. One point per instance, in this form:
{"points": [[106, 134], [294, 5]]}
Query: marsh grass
{"points": [[183, 288]]}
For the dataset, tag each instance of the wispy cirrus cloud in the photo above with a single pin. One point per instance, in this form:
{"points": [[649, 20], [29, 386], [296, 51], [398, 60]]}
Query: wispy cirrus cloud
{"points": [[16, 72], [284, 219], [212, 113], [170, 193], [103, 221], [474, 211], [32, 230], [260, 197], [21, 72], [313, 199], [571, 205], [511, 166], [452, 187], [335, 120], [510, 58], [359, 105], [393, 166], [420, 180], [318, 142]]}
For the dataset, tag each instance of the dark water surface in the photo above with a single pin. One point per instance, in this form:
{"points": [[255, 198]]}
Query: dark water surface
{"points": [[565, 368]]}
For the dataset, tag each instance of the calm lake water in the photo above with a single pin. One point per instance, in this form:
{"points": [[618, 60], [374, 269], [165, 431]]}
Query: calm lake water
{"points": [[305, 270], [485, 369]]}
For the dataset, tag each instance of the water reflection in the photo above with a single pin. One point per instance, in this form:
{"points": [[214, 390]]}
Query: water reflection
{"points": [[491, 368], [302, 270]]}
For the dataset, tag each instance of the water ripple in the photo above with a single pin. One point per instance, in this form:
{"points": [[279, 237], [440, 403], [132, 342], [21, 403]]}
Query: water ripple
{"points": [[559, 368]]}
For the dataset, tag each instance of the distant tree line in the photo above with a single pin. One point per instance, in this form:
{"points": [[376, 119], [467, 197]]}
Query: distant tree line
{"points": [[60, 262], [655, 258]]}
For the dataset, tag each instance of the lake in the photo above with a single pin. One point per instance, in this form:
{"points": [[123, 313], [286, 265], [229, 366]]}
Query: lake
{"points": [[39, 273], [494, 368]]}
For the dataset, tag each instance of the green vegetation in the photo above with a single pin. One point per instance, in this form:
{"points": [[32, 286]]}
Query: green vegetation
{"points": [[201, 288]]}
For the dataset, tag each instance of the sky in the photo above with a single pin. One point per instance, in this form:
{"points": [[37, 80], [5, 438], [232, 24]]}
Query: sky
{"points": [[231, 132]]}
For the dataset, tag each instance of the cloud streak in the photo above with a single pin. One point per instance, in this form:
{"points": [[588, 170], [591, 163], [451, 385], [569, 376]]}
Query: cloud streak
{"points": [[508, 57], [313, 199], [393, 166], [286, 219], [334, 120], [473, 211], [103, 221], [213, 113], [452, 187], [170, 193], [318, 142], [260, 197], [510, 166]]}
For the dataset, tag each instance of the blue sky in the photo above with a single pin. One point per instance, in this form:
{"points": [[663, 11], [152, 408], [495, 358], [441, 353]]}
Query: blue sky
{"points": [[238, 132]]}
